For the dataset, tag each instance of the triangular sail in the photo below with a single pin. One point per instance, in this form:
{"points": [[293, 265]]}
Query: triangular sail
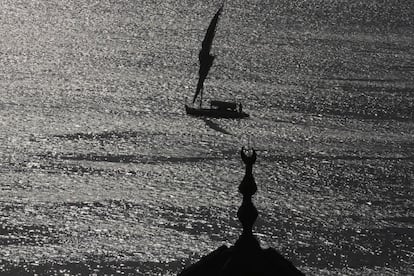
{"points": [[205, 58]]}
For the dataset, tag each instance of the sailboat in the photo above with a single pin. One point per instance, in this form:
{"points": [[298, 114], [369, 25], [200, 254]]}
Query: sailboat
{"points": [[217, 109]]}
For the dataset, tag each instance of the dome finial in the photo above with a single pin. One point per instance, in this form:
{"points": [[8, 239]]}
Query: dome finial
{"points": [[247, 212]]}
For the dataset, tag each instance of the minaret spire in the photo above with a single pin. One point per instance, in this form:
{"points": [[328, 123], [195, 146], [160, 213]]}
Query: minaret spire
{"points": [[247, 212], [246, 257]]}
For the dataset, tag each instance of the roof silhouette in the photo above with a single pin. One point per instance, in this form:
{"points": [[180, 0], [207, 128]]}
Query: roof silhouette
{"points": [[246, 257]]}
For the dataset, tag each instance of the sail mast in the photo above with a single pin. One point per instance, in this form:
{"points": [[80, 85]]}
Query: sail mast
{"points": [[201, 96], [204, 57]]}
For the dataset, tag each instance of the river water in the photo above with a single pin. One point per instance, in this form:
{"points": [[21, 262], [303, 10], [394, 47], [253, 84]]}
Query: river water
{"points": [[101, 171]]}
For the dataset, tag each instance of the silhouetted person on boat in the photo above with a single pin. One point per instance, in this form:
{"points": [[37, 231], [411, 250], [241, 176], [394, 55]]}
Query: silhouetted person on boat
{"points": [[240, 108]]}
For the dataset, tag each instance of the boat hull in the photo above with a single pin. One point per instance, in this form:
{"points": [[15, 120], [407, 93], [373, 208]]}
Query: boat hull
{"points": [[215, 113]]}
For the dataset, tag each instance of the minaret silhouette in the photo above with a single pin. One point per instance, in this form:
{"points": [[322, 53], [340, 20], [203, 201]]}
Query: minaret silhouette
{"points": [[247, 213], [246, 257]]}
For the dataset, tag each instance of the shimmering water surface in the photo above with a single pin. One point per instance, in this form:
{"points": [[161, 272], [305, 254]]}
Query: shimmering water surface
{"points": [[102, 172]]}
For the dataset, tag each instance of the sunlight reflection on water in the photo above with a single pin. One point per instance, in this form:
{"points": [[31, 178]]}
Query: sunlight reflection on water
{"points": [[102, 171]]}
